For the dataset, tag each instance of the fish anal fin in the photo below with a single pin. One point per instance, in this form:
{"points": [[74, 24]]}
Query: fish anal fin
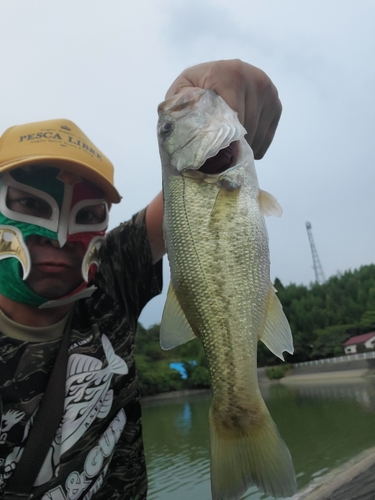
{"points": [[174, 328], [268, 204], [276, 334]]}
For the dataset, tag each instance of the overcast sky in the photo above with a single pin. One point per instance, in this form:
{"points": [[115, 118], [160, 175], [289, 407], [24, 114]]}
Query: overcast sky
{"points": [[106, 64]]}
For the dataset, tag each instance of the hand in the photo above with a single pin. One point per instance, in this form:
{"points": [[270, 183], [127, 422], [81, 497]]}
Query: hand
{"points": [[246, 89]]}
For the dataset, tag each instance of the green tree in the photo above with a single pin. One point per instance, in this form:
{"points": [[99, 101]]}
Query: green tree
{"points": [[200, 378], [368, 319], [329, 341]]}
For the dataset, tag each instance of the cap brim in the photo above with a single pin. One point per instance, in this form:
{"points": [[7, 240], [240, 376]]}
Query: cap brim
{"points": [[82, 169]]}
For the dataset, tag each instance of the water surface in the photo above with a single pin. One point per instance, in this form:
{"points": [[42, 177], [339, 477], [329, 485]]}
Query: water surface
{"points": [[324, 425]]}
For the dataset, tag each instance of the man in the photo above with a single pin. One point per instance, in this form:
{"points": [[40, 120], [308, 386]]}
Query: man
{"points": [[62, 279]]}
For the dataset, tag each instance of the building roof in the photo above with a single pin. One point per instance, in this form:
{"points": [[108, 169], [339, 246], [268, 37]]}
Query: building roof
{"points": [[360, 339]]}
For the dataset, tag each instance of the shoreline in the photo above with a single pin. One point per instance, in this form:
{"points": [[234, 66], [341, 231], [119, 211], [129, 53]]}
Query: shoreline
{"points": [[308, 378], [167, 396], [350, 481], [329, 377]]}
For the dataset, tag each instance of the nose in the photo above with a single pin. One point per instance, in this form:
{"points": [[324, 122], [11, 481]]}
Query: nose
{"points": [[43, 240]]}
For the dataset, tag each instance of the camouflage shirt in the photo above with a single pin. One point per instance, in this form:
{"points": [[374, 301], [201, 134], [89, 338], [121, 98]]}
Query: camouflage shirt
{"points": [[98, 450]]}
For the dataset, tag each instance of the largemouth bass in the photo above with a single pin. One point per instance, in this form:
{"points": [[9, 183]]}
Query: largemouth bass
{"points": [[220, 287]]}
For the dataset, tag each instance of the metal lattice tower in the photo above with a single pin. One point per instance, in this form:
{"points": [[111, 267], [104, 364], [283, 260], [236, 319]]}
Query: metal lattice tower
{"points": [[318, 270]]}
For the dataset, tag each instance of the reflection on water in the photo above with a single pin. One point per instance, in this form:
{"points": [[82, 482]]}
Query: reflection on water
{"points": [[361, 392], [324, 425], [183, 420]]}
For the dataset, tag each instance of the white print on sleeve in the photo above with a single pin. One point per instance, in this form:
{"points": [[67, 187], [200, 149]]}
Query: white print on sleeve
{"points": [[89, 481], [10, 418], [88, 396]]}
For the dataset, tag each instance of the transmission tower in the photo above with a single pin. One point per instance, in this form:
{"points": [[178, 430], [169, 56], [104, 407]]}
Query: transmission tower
{"points": [[318, 270]]}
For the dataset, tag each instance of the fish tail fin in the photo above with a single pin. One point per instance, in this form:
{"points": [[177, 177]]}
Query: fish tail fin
{"points": [[117, 364], [257, 456]]}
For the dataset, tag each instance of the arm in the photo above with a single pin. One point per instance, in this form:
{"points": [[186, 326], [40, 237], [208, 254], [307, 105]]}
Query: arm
{"points": [[247, 90], [154, 225]]}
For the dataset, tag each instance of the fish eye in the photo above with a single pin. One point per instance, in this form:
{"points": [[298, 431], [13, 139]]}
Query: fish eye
{"points": [[167, 127]]}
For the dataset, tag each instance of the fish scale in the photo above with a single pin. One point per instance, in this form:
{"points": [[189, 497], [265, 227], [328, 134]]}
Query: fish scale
{"points": [[220, 287]]}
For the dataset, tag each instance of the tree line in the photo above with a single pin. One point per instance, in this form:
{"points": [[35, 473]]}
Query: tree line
{"points": [[322, 318]]}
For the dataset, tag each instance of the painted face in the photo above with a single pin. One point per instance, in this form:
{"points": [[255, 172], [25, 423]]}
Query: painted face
{"points": [[46, 203]]}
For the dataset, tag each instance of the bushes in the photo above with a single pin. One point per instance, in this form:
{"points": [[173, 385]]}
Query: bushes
{"points": [[157, 377], [200, 378], [152, 382], [153, 364], [277, 372]]}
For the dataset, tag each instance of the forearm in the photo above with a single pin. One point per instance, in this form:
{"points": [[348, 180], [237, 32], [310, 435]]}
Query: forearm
{"points": [[154, 225]]}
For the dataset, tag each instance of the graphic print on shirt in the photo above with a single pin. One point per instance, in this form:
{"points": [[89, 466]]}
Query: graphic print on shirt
{"points": [[82, 485], [88, 396], [10, 418]]}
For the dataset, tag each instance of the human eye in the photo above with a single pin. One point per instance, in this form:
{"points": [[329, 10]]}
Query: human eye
{"points": [[28, 204], [92, 215]]}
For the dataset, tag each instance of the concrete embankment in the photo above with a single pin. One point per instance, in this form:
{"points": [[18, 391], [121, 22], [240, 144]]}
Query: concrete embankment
{"points": [[355, 480], [328, 372], [352, 481]]}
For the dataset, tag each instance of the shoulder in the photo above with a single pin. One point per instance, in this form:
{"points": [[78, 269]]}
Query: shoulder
{"points": [[127, 272]]}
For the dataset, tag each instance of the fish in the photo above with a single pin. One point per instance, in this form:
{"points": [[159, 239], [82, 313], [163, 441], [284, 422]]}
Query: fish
{"points": [[220, 288]]}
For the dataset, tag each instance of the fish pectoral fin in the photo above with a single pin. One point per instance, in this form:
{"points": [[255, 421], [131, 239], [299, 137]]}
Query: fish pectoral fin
{"points": [[174, 328], [268, 204], [276, 334]]}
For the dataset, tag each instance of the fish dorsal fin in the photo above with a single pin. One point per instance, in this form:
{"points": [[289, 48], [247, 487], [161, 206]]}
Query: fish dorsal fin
{"points": [[268, 204], [81, 363], [174, 328], [276, 335]]}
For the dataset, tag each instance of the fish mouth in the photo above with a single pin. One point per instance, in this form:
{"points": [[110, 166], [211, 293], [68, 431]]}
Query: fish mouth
{"points": [[221, 162]]}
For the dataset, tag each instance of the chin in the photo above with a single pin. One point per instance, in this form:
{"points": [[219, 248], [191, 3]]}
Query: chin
{"points": [[52, 291]]}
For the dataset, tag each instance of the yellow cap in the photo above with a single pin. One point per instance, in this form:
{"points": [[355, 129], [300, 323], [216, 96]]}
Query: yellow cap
{"points": [[59, 143]]}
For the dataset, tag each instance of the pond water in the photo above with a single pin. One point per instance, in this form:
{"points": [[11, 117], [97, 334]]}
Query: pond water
{"points": [[323, 425]]}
